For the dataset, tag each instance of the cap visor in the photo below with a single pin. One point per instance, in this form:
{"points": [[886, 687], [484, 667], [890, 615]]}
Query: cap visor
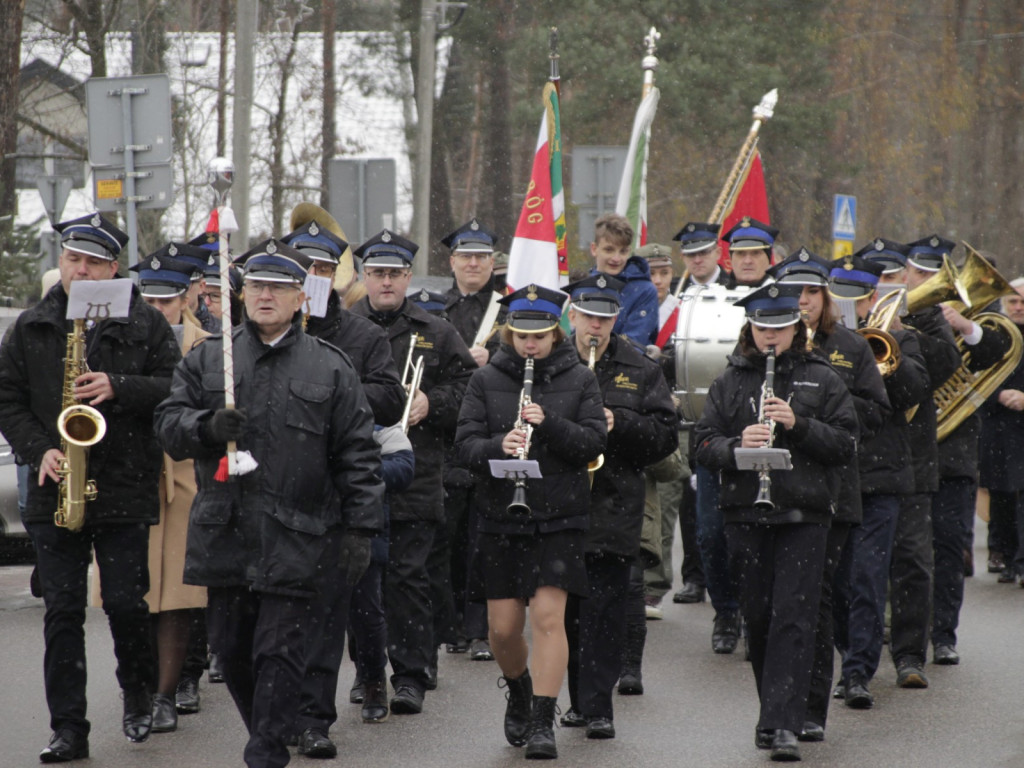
{"points": [[266, 276], [749, 245], [532, 324], [775, 321], [802, 278], [849, 290], [698, 246], [161, 290], [927, 264], [386, 260], [89, 249], [597, 307]]}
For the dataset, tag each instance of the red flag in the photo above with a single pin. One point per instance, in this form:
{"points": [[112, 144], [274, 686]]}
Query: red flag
{"points": [[751, 200], [213, 225]]}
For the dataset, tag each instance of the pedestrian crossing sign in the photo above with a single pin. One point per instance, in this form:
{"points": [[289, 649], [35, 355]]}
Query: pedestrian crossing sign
{"points": [[844, 217]]}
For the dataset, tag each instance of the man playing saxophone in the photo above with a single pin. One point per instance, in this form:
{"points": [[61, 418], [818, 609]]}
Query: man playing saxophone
{"points": [[129, 365]]}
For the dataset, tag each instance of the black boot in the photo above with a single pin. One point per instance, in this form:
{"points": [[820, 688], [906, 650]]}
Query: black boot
{"points": [[518, 710], [138, 715], [631, 682], [540, 741]]}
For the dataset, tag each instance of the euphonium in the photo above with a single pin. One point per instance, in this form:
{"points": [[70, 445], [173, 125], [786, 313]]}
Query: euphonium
{"points": [[80, 427], [597, 463], [519, 505], [764, 478], [412, 375]]}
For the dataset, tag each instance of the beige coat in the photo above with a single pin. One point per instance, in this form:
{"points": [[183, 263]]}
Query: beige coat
{"points": [[167, 592]]}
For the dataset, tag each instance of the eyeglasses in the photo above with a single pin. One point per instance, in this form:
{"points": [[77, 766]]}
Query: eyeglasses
{"points": [[255, 287], [385, 274]]}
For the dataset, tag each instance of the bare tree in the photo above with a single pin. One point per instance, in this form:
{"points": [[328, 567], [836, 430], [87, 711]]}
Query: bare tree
{"points": [[10, 66]]}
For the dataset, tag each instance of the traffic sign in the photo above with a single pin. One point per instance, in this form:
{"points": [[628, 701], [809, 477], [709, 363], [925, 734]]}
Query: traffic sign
{"points": [[844, 217], [841, 249], [154, 187], [150, 119], [54, 190]]}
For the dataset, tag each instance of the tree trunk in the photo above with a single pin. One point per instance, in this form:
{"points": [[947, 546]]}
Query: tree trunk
{"points": [[328, 129], [10, 66]]}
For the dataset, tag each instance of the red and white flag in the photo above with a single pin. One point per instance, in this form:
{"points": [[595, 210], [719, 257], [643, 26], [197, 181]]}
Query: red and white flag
{"points": [[632, 200]]}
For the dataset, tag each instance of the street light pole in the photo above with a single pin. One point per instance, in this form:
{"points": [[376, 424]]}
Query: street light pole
{"points": [[424, 134]]}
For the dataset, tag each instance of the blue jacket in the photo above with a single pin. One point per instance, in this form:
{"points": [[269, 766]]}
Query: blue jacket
{"points": [[639, 316]]}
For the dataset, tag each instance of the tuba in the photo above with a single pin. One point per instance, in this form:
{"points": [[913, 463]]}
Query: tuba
{"points": [[519, 505], [80, 427], [302, 214], [962, 393], [412, 376], [597, 463]]}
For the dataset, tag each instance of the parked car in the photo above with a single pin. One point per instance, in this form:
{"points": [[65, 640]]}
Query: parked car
{"points": [[15, 545]]}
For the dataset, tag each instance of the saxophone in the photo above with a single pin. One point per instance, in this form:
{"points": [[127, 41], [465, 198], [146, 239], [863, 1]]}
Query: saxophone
{"points": [[80, 427]]}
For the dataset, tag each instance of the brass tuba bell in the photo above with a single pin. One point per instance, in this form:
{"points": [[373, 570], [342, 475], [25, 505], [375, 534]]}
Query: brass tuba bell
{"points": [[305, 212]]}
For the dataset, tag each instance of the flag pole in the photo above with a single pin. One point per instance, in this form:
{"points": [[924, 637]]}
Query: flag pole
{"points": [[650, 61], [762, 113]]}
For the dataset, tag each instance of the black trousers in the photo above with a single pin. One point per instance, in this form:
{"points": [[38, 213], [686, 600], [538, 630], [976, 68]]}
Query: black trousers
{"points": [[1002, 523], [325, 642], [261, 641], [460, 518], [197, 651], [820, 693], [692, 569], [122, 556], [408, 602], [779, 571], [596, 630], [952, 515], [367, 625], [910, 579]]}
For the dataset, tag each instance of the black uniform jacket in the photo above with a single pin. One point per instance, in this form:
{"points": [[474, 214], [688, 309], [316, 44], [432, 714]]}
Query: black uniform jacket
{"points": [[958, 453], [573, 433], [886, 458], [310, 429], [138, 353], [1001, 463], [942, 358], [644, 432], [822, 440], [466, 312], [851, 357], [368, 349], [447, 367]]}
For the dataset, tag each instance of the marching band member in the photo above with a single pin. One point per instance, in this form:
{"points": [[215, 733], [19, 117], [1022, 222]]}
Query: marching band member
{"points": [[536, 557], [778, 552]]}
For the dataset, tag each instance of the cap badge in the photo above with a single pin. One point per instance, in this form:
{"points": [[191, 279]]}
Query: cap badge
{"points": [[96, 220], [424, 296], [172, 250], [601, 282], [848, 264], [271, 247], [155, 264], [385, 237], [531, 293], [879, 245], [804, 255], [474, 225], [314, 230], [211, 261], [691, 227], [773, 292], [934, 242], [745, 221]]}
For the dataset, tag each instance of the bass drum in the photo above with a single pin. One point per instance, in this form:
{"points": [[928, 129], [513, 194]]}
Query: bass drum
{"points": [[707, 330]]}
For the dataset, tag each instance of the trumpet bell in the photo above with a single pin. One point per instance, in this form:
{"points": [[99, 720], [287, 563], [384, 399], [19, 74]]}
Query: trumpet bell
{"points": [[305, 212]]}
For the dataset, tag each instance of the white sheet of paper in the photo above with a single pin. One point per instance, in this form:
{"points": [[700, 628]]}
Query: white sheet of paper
{"points": [[317, 290], [97, 300], [513, 468]]}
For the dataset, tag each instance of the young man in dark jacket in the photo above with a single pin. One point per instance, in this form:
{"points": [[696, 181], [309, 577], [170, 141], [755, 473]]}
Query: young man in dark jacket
{"points": [[641, 431], [259, 542], [612, 251], [130, 360]]}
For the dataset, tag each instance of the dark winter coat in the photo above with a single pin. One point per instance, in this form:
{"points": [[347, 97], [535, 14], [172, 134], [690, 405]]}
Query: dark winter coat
{"points": [[942, 358], [572, 434], [368, 349], [638, 318], [822, 440], [447, 367], [644, 432], [851, 357], [1001, 459], [138, 353], [958, 453], [467, 312], [310, 429]]}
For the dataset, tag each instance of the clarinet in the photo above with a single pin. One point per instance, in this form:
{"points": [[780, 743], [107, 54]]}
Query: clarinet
{"points": [[519, 505], [764, 488]]}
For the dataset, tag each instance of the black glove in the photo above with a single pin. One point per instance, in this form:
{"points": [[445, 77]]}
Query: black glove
{"points": [[225, 424], [354, 557]]}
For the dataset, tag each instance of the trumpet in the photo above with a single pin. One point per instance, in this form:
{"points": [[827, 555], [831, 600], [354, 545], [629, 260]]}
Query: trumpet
{"points": [[412, 375], [764, 501], [597, 463], [883, 344], [519, 505]]}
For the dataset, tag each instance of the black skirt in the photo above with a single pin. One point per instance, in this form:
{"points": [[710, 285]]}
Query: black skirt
{"points": [[514, 566]]}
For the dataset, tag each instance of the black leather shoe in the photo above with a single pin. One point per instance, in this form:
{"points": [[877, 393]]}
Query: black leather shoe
{"points": [[165, 716], [480, 650], [910, 674], [316, 744], [631, 683], [763, 738], [725, 634], [408, 700], [785, 748], [375, 702], [945, 655], [1008, 575], [857, 694], [138, 715], [811, 732], [839, 692], [600, 728], [690, 593], [572, 719], [431, 683], [995, 562], [65, 746], [186, 698], [216, 673], [357, 693], [461, 645]]}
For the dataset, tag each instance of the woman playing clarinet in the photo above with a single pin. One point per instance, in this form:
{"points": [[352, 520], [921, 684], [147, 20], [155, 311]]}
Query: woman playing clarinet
{"points": [[776, 522], [532, 553]]}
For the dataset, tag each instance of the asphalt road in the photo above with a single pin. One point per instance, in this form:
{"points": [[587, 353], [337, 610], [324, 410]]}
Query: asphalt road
{"points": [[699, 709]]}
